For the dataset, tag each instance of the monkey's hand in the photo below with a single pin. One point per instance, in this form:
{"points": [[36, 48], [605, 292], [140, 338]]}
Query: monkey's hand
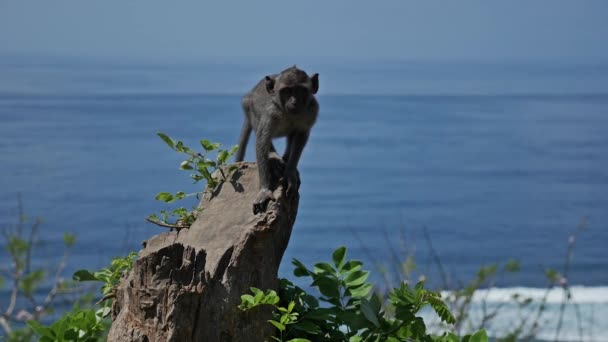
{"points": [[260, 203]]}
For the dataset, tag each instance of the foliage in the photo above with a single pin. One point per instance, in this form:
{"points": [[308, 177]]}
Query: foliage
{"points": [[87, 324], [25, 282], [203, 167], [350, 311], [109, 276], [77, 325], [471, 309]]}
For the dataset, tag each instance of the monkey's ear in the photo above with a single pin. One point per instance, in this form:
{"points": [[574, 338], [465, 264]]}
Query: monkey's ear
{"points": [[269, 84], [315, 83]]}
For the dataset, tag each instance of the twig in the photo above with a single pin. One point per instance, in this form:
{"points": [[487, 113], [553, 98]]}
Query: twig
{"points": [[106, 297], [541, 308], [30, 243], [564, 280], [442, 273], [28, 255], [5, 326], [372, 258], [406, 264], [21, 218], [396, 262], [54, 290], [166, 225], [14, 290]]}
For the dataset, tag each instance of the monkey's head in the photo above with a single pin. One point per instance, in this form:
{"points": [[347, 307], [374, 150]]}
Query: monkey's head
{"points": [[292, 89]]}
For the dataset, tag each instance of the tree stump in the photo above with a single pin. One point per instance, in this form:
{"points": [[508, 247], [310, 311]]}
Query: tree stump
{"points": [[186, 285]]}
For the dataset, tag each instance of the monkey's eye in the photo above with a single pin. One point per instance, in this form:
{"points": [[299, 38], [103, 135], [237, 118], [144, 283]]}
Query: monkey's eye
{"points": [[300, 92], [286, 91]]}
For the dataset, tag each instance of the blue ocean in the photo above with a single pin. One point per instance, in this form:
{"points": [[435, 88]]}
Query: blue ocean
{"points": [[486, 162]]}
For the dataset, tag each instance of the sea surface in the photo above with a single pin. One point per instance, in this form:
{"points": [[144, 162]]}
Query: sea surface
{"points": [[486, 162]]}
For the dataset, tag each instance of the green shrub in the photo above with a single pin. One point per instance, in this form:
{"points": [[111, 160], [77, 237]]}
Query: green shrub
{"points": [[351, 311]]}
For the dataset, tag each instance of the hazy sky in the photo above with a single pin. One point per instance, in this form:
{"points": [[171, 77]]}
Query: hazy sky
{"points": [[351, 29]]}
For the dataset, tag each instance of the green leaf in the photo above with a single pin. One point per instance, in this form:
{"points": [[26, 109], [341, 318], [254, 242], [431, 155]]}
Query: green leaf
{"points": [[203, 164], [205, 173], [479, 336], [222, 157], [299, 340], [258, 295], [338, 257], [278, 325], [552, 275], [185, 165], [164, 196], [30, 281], [40, 329], [270, 297], [442, 310], [322, 314], [368, 312], [512, 266], [300, 269], [307, 326], [356, 278], [487, 271], [103, 312], [327, 286], [449, 337], [166, 139], [247, 300], [360, 291], [351, 266], [208, 145], [323, 267], [69, 239]]}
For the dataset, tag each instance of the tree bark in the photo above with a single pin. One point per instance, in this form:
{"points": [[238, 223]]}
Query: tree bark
{"points": [[186, 285]]}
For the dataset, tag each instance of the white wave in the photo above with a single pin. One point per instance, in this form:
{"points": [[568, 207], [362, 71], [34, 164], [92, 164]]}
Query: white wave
{"points": [[579, 294], [584, 314]]}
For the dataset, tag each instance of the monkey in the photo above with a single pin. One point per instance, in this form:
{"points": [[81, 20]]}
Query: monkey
{"points": [[280, 105]]}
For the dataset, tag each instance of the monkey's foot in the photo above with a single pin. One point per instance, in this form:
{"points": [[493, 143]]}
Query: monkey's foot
{"points": [[292, 181], [260, 203]]}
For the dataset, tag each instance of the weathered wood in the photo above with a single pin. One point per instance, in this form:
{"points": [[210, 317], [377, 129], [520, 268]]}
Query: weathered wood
{"points": [[186, 285]]}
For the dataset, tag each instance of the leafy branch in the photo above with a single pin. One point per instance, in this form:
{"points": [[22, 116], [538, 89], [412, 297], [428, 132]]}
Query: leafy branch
{"points": [[89, 324], [25, 280], [207, 166], [352, 313]]}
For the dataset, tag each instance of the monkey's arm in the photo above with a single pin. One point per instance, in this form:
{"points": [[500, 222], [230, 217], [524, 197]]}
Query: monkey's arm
{"points": [[263, 147], [245, 132], [296, 143], [287, 148]]}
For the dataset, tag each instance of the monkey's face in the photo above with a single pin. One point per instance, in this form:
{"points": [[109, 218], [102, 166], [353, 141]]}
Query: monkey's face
{"points": [[295, 99], [293, 90]]}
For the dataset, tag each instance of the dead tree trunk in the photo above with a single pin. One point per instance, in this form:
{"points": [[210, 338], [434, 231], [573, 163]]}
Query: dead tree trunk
{"points": [[186, 285]]}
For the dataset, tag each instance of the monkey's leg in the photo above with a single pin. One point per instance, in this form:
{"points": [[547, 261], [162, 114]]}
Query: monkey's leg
{"points": [[263, 145], [273, 151], [287, 148], [298, 141], [245, 132], [275, 165]]}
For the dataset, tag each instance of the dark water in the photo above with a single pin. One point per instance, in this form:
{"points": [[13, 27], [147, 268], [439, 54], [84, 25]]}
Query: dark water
{"points": [[491, 177]]}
